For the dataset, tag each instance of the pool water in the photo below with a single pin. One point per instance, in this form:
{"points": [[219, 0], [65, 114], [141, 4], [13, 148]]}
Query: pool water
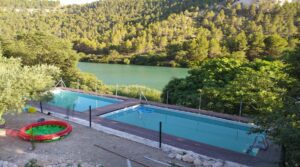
{"points": [[79, 102], [44, 130], [200, 128]]}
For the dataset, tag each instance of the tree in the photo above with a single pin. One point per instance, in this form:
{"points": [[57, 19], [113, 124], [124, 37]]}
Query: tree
{"points": [[212, 73], [225, 82], [198, 50], [257, 45], [252, 11], [128, 45], [241, 42], [20, 83], [198, 47], [39, 48], [214, 48], [141, 43], [283, 125], [86, 46], [275, 45], [260, 92], [163, 42], [293, 58], [220, 17]]}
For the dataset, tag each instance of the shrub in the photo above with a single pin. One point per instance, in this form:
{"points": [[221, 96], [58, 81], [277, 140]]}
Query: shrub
{"points": [[134, 91]]}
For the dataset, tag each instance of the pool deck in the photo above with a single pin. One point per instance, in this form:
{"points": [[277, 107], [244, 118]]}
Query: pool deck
{"points": [[80, 147], [267, 158]]}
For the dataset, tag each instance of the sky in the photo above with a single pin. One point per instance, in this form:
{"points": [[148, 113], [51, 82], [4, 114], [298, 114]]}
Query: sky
{"points": [[68, 2]]}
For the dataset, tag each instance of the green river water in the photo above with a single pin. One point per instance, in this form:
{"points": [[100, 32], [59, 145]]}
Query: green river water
{"points": [[116, 74]]}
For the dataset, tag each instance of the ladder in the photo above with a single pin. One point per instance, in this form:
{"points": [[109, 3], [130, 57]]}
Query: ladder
{"points": [[260, 144], [61, 82], [143, 96]]}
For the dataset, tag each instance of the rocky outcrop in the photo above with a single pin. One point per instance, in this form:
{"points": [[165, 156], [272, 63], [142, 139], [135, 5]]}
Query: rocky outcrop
{"points": [[198, 160]]}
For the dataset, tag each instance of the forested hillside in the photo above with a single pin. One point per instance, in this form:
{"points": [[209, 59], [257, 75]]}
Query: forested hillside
{"points": [[166, 32], [29, 3]]}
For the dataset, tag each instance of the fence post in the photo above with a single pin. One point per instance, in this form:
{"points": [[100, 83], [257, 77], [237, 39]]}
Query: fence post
{"points": [[200, 98], [90, 116], [96, 87], [140, 95], [78, 84], [167, 97], [283, 157], [68, 112], [241, 106], [160, 133], [41, 107], [73, 110], [117, 90]]}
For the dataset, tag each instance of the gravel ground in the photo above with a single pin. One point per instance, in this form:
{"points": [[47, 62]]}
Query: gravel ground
{"points": [[78, 148]]}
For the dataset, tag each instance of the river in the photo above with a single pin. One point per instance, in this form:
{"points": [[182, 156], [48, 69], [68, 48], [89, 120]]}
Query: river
{"points": [[150, 76]]}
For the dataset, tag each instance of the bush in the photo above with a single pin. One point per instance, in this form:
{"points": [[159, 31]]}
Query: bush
{"points": [[88, 82], [134, 92], [32, 163]]}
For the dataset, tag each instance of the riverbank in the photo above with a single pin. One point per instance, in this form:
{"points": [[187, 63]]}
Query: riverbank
{"points": [[157, 59]]}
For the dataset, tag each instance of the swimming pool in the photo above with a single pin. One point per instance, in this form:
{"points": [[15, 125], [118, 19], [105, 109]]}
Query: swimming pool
{"points": [[213, 131], [80, 102]]}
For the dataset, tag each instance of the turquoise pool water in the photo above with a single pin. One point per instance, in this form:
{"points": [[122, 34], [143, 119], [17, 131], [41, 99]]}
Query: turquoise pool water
{"points": [[79, 101], [209, 130]]}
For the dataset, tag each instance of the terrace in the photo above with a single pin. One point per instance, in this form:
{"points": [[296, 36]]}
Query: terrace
{"points": [[84, 146], [147, 137]]}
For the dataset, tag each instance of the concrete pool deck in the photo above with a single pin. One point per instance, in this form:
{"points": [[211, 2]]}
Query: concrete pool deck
{"points": [[80, 147], [270, 157]]}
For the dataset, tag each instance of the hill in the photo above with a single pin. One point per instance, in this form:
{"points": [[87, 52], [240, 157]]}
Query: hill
{"points": [[29, 3], [250, 2], [166, 32]]}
